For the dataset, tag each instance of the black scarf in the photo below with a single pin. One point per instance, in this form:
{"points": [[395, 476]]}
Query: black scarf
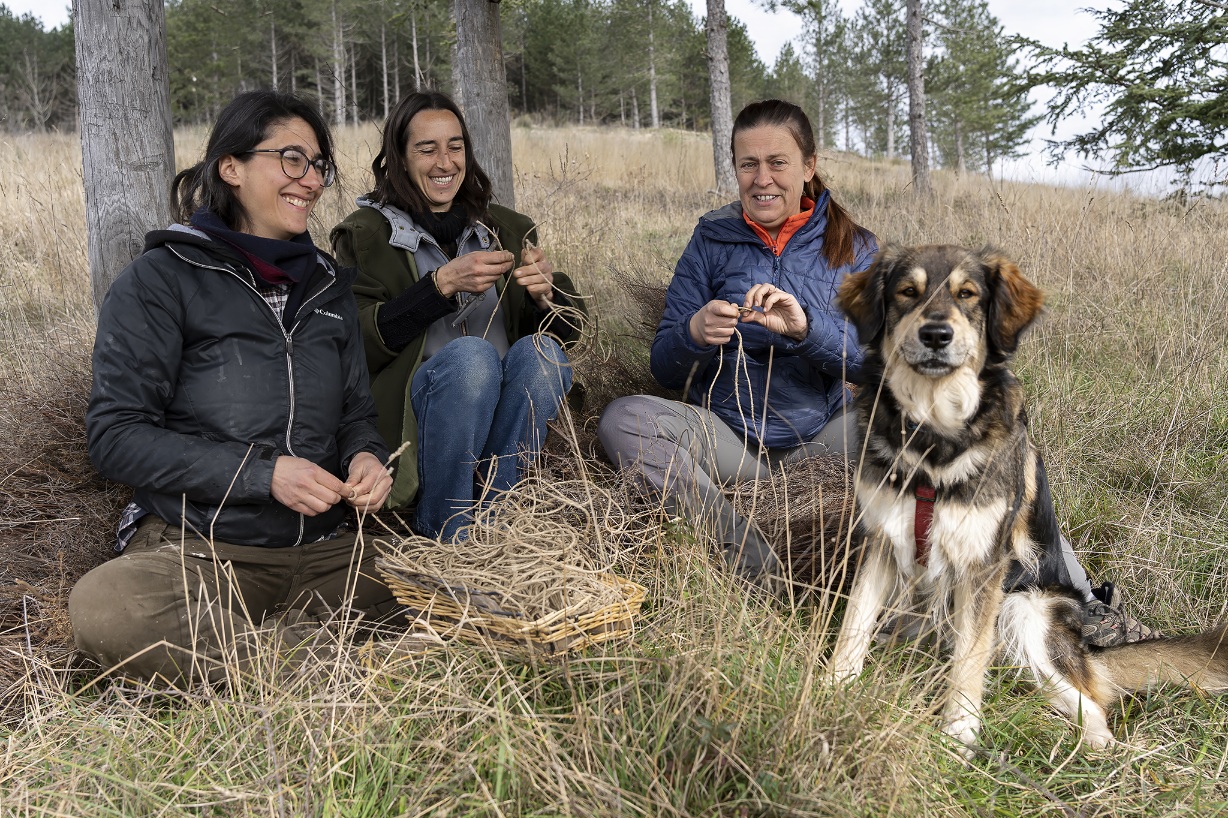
{"points": [[275, 261], [445, 227]]}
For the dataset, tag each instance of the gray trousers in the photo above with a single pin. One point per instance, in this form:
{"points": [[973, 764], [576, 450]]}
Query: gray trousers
{"points": [[175, 608], [686, 453]]}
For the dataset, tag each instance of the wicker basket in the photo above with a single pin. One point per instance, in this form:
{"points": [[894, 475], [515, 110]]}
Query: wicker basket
{"points": [[454, 611]]}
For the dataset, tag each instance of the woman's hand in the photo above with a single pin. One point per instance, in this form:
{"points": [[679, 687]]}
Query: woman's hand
{"points": [[369, 483], [472, 272], [778, 311], [302, 486], [714, 324], [536, 276]]}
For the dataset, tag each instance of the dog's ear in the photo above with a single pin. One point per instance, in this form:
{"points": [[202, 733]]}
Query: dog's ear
{"points": [[861, 296], [1014, 302]]}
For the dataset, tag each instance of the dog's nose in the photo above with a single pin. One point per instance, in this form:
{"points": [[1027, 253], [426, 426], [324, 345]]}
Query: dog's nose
{"points": [[936, 336]]}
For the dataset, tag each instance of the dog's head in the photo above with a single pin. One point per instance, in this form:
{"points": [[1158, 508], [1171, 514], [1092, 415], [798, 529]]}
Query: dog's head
{"points": [[939, 308]]}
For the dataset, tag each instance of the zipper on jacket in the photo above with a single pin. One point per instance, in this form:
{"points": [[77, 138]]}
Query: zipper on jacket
{"points": [[287, 335]]}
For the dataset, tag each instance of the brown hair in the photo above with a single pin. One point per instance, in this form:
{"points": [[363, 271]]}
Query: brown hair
{"points": [[393, 185], [242, 125], [842, 232]]}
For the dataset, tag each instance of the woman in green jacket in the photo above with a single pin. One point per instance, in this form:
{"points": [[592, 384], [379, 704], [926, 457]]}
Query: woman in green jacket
{"points": [[463, 318]]}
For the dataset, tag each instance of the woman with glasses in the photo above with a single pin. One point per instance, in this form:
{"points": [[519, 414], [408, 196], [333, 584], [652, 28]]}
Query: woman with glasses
{"points": [[230, 392], [464, 319]]}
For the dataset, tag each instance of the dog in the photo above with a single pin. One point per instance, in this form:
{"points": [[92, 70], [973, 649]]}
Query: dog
{"points": [[954, 502]]}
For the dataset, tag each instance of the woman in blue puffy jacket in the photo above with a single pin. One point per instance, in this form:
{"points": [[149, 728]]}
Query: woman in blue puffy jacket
{"points": [[751, 333]]}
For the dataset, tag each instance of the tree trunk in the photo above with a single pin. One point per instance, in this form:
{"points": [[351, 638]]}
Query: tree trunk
{"points": [[127, 150], [319, 88], [273, 48], [383, 57], [848, 125], [722, 107], [960, 165], [413, 33], [821, 115], [891, 126], [338, 71], [354, 86], [652, 74], [919, 144], [480, 80]]}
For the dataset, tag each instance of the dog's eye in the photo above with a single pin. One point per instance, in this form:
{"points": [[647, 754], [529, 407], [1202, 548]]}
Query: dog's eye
{"points": [[909, 292], [967, 293]]}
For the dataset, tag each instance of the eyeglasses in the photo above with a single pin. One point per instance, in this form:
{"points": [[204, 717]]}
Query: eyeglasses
{"points": [[294, 163]]}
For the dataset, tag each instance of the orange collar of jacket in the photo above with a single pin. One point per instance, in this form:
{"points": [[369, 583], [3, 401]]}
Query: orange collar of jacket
{"points": [[791, 226]]}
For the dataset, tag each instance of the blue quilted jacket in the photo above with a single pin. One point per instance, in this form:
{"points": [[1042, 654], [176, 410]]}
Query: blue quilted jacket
{"points": [[806, 378]]}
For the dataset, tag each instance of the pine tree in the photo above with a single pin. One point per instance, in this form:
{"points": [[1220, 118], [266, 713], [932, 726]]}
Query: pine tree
{"points": [[978, 114], [878, 87], [1160, 70]]}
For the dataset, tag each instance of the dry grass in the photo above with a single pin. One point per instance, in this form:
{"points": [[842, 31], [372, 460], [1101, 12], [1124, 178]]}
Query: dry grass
{"points": [[715, 707]]}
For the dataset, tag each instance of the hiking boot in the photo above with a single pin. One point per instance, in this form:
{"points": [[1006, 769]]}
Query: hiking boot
{"points": [[1105, 622]]}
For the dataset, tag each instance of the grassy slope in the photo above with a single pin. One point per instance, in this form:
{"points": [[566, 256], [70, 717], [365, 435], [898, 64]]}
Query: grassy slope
{"points": [[715, 706]]}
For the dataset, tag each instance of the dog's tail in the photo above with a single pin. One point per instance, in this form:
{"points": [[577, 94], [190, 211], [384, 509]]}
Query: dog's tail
{"points": [[1043, 630], [1200, 660]]}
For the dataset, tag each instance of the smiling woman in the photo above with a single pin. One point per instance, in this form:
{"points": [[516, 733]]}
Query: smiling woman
{"points": [[230, 393], [750, 309], [460, 315]]}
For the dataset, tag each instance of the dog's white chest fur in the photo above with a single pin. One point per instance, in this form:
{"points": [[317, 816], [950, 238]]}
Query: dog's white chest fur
{"points": [[961, 536], [944, 403]]}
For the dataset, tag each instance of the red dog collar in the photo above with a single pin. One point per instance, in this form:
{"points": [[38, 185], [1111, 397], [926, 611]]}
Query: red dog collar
{"points": [[922, 518]]}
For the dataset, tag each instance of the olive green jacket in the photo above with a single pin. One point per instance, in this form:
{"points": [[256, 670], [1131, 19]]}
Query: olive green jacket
{"points": [[384, 272]]}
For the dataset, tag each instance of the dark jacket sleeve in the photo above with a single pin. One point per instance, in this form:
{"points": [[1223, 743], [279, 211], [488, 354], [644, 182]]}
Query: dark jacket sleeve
{"points": [[361, 242], [675, 355], [136, 360]]}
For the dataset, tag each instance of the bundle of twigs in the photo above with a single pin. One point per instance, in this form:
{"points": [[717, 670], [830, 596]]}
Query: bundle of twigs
{"points": [[806, 510]]}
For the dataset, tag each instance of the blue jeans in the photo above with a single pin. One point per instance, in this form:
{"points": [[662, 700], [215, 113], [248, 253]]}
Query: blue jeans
{"points": [[480, 417]]}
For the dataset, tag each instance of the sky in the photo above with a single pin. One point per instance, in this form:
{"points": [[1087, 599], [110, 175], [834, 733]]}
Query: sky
{"points": [[1052, 22]]}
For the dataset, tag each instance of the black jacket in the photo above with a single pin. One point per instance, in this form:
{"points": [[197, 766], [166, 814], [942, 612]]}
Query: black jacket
{"points": [[198, 389]]}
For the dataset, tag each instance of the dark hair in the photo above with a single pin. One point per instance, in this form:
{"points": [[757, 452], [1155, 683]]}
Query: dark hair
{"points": [[842, 231], [241, 126], [393, 185]]}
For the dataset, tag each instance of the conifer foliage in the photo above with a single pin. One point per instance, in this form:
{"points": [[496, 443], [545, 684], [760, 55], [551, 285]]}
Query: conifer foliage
{"points": [[1159, 70]]}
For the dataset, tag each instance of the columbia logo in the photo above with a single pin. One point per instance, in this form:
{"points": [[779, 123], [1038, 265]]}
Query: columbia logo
{"points": [[330, 314]]}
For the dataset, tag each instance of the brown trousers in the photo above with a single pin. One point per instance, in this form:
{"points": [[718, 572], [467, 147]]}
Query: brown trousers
{"points": [[178, 608]]}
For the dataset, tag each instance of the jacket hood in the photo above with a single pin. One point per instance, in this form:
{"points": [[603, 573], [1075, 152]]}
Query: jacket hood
{"points": [[199, 245], [406, 234], [178, 234]]}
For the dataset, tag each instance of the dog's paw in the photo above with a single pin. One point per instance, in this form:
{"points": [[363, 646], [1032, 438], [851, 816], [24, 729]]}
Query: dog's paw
{"points": [[1098, 737], [964, 729]]}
